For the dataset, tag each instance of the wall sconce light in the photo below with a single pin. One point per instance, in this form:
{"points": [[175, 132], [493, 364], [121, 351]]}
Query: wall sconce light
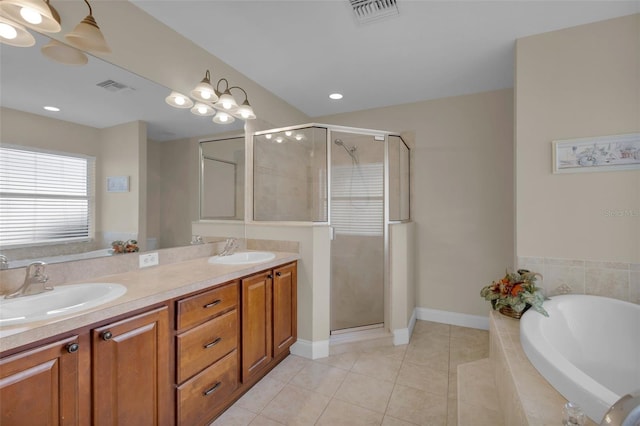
{"points": [[178, 100], [87, 35], [212, 99], [203, 110], [37, 14], [14, 34], [223, 118], [204, 91]]}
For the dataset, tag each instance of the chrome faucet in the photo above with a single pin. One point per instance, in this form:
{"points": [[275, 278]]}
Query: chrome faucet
{"points": [[230, 247], [34, 282], [4, 262]]}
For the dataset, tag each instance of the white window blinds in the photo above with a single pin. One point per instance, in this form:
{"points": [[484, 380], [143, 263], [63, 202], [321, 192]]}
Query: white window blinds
{"points": [[357, 200], [44, 197]]}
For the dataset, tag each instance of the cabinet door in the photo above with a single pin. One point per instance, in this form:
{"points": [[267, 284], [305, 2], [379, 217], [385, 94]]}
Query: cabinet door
{"points": [[40, 386], [130, 367], [285, 317], [256, 323]]}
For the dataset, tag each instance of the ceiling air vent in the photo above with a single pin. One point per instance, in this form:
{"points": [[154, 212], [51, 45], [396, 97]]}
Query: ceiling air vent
{"points": [[373, 10], [114, 86]]}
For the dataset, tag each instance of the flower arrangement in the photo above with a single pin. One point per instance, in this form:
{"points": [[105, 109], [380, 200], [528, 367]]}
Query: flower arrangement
{"points": [[129, 246], [516, 291]]}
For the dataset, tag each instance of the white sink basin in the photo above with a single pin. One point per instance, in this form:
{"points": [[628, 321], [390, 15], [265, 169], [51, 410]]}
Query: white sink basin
{"points": [[61, 300], [243, 258]]}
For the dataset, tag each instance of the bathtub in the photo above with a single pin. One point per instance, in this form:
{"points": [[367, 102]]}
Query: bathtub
{"points": [[588, 349]]}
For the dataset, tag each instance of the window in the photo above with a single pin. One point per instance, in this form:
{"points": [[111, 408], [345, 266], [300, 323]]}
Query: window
{"points": [[45, 197], [358, 199]]}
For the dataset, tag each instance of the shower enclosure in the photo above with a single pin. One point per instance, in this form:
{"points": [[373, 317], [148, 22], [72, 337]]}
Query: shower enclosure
{"points": [[356, 181]]}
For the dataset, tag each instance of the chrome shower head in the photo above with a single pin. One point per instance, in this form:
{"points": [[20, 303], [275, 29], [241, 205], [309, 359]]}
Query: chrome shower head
{"points": [[338, 142]]}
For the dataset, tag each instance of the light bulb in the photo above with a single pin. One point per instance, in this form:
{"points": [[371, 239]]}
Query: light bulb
{"points": [[336, 96], [245, 114], [179, 100], [298, 137], [226, 105], [223, 117], [31, 15], [268, 136], [202, 109], [279, 139], [288, 133], [205, 94], [7, 31]]}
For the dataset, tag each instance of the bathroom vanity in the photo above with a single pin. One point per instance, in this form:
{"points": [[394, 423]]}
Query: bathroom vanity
{"points": [[173, 353]]}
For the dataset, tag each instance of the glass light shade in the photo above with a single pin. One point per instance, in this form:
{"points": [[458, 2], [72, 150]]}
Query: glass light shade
{"points": [[64, 54], [88, 37], [203, 110], [226, 102], [204, 91], [245, 112], [14, 34], [223, 118], [27, 11], [178, 100]]}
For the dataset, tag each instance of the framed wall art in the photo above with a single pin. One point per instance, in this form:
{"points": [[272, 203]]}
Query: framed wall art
{"points": [[604, 153]]}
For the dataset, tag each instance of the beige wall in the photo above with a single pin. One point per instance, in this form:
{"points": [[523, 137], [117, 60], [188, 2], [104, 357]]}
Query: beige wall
{"points": [[122, 153], [463, 192], [572, 83]]}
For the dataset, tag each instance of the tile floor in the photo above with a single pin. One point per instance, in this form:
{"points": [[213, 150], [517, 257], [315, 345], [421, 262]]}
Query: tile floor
{"points": [[413, 384]]}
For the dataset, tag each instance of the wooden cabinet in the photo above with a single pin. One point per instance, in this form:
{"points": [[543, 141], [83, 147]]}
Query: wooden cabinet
{"points": [[207, 355], [269, 317], [130, 371], [137, 371], [40, 386], [256, 323], [285, 316]]}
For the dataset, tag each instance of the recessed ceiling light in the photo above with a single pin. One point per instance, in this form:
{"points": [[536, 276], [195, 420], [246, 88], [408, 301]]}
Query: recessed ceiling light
{"points": [[335, 96], [52, 108]]}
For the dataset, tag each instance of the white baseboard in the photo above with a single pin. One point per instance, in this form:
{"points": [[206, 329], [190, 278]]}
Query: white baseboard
{"points": [[310, 350], [453, 318], [402, 336]]}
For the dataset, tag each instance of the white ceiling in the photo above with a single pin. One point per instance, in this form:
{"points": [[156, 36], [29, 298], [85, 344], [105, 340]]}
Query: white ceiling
{"points": [[303, 50]]}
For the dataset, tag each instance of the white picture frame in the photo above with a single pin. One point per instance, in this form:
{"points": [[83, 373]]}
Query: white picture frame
{"points": [[118, 184], [597, 154]]}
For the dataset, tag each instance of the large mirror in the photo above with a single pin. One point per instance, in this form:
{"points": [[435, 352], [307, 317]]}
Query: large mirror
{"points": [[145, 154]]}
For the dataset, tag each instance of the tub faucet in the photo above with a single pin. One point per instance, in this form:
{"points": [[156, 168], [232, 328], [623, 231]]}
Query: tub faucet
{"points": [[230, 247], [34, 282]]}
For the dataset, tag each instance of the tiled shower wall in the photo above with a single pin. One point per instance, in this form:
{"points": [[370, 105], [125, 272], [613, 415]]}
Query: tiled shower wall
{"points": [[610, 279]]}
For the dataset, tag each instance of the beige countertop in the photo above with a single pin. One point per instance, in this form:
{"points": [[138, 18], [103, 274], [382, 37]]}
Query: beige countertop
{"points": [[145, 287]]}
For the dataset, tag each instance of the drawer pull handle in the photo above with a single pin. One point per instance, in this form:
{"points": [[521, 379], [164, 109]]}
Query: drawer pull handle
{"points": [[269, 276], [278, 274], [212, 344], [212, 389], [212, 304], [106, 335], [73, 347]]}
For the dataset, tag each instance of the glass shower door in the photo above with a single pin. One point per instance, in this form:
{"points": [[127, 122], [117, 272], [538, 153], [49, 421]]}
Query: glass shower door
{"points": [[357, 218]]}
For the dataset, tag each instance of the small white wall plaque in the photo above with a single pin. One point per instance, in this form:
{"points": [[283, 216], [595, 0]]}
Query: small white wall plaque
{"points": [[118, 184]]}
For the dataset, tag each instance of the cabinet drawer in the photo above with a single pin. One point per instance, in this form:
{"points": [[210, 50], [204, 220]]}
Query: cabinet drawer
{"points": [[196, 309], [201, 396], [205, 344]]}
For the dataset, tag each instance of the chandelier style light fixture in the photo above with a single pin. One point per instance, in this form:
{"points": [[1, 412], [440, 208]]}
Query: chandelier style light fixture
{"points": [[214, 101]]}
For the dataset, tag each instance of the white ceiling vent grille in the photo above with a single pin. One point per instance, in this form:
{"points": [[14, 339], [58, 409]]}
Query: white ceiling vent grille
{"points": [[373, 10], [114, 86]]}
